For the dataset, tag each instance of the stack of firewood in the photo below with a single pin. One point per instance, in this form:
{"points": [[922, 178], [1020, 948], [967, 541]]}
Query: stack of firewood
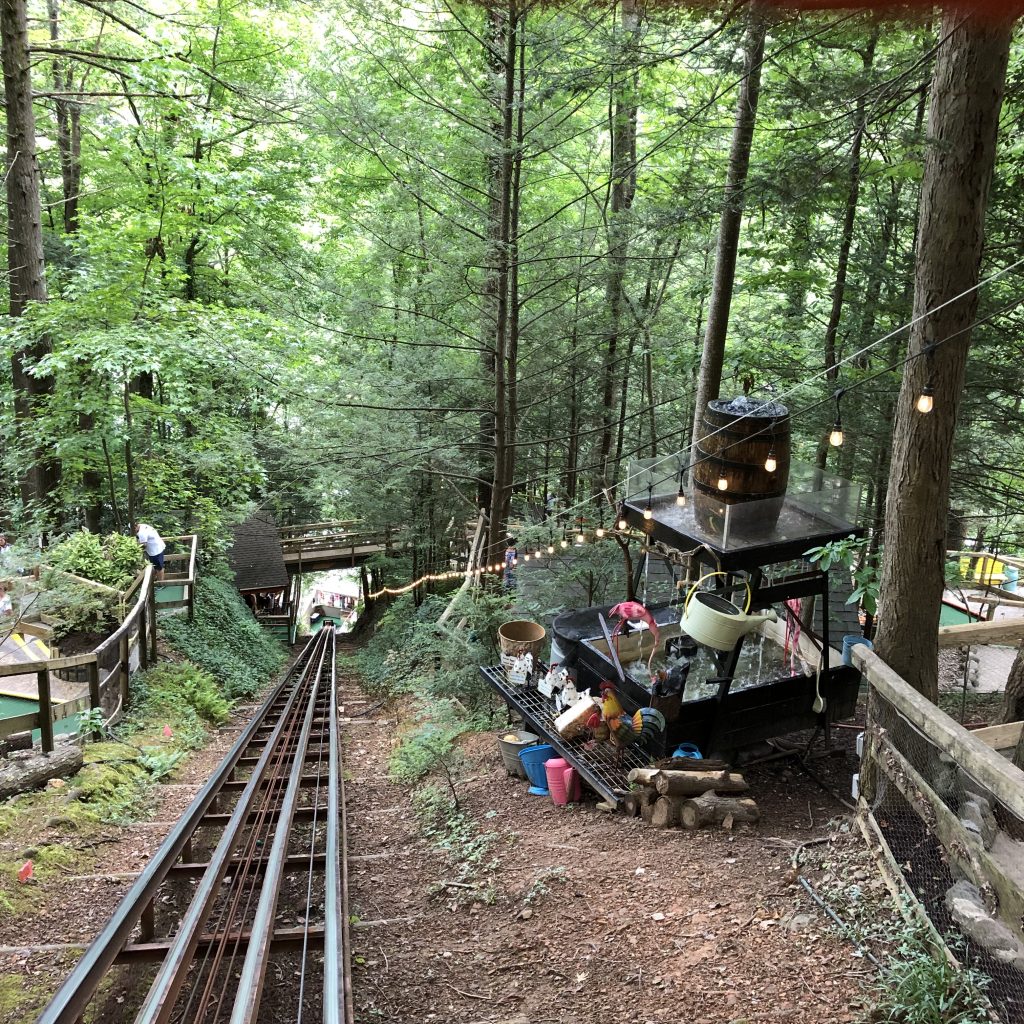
{"points": [[701, 795]]}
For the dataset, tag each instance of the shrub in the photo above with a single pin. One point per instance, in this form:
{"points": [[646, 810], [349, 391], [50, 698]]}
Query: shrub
{"points": [[113, 560], [225, 639], [76, 607]]}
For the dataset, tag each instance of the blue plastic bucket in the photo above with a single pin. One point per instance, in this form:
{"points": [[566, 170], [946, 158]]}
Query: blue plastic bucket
{"points": [[851, 641], [690, 750], [534, 759]]}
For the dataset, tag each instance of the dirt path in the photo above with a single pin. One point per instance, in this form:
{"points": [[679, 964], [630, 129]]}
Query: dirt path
{"points": [[572, 916]]}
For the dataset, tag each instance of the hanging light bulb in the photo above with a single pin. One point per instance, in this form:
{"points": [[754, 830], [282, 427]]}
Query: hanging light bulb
{"points": [[649, 511], [551, 545], [564, 542], [622, 523], [599, 532], [581, 537], [836, 437], [681, 494], [526, 557], [723, 481], [926, 400]]}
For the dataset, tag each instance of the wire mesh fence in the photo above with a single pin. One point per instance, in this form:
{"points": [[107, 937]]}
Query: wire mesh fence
{"points": [[952, 814]]}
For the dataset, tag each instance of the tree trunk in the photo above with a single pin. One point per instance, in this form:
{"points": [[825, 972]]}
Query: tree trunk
{"points": [[849, 219], [713, 355], [25, 246], [1013, 698], [966, 96], [622, 189], [68, 114]]}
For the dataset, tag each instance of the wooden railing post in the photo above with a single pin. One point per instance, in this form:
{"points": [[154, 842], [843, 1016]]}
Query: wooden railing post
{"points": [[152, 621], [143, 635], [95, 701], [45, 710], [125, 667]]}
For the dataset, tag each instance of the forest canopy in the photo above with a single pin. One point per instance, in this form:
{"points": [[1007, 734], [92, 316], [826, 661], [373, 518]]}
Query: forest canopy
{"points": [[400, 262]]}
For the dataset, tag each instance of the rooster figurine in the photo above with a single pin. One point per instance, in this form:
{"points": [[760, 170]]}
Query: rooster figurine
{"points": [[622, 730]]}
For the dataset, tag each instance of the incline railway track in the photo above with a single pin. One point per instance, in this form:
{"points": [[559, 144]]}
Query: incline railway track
{"points": [[242, 914]]}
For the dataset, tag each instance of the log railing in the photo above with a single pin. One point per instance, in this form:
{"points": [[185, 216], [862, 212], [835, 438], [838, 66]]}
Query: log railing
{"points": [[943, 805]]}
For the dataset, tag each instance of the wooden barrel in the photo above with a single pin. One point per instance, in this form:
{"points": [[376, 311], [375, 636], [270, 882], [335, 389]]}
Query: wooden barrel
{"points": [[735, 440]]}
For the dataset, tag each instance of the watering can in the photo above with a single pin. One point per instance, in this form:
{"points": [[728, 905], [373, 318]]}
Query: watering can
{"points": [[713, 621]]}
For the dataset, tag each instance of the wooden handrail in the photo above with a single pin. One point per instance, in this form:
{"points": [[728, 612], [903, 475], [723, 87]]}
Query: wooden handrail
{"points": [[976, 758]]}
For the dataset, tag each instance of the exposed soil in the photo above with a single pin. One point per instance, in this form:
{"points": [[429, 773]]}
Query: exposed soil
{"points": [[574, 916], [561, 915]]}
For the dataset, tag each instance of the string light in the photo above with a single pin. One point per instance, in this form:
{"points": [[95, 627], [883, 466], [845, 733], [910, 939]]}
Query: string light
{"points": [[623, 524], [526, 556], [836, 437], [564, 542], [649, 511], [681, 494], [723, 481], [581, 537], [926, 400], [770, 463]]}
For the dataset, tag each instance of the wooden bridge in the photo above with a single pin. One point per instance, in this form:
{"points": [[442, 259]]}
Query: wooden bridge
{"points": [[340, 544]]}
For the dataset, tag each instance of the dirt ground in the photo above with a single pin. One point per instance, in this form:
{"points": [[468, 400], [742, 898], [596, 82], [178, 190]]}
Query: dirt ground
{"points": [[525, 913], [573, 916]]}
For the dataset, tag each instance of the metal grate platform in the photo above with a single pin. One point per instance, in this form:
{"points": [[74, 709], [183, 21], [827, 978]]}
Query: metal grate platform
{"points": [[603, 768]]}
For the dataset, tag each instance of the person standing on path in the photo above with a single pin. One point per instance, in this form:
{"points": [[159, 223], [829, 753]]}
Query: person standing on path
{"points": [[154, 546]]}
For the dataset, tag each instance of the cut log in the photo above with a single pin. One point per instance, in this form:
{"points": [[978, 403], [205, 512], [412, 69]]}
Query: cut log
{"points": [[648, 798], [665, 812], [709, 809], [688, 783], [693, 783], [630, 804], [22, 772]]}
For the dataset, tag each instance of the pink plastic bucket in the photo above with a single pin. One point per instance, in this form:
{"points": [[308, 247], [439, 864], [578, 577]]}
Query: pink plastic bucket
{"points": [[563, 781]]}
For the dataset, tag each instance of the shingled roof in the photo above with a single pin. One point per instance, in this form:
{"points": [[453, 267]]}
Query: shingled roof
{"points": [[255, 557]]}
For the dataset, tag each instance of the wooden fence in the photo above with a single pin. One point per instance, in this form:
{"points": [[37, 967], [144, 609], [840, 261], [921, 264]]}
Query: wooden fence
{"points": [[180, 571], [946, 808], [106, 671]]}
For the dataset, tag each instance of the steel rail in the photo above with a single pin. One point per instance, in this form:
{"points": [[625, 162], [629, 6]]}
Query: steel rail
{"points": [[250, 983], [244, 878], [159, 1002], [335, 996], [69, 1003]]}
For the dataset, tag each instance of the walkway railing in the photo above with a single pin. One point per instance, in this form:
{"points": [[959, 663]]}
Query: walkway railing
{"points": [[180, 571], [106, 671]]}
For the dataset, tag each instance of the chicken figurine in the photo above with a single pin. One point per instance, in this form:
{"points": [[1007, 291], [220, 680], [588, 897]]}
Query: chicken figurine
{"points": [[612, 723]]}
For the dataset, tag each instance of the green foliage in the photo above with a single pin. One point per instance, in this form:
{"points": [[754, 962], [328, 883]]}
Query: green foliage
{"points": [[183, 694], [225, 640], [854, 555], [76, 607], [454, 833], [114, 560], [920, 986], [431, 743]]}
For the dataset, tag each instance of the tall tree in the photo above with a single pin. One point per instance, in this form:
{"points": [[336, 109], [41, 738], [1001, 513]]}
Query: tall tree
{"points": [[25, 266], [713, 356], [966, 97]]}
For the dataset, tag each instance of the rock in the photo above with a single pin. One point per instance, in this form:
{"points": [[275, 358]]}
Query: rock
{"points": [[56, 784], [976, 811], [525, 914], [800, 922], [657, 917], [965, 904], [61, 822]]}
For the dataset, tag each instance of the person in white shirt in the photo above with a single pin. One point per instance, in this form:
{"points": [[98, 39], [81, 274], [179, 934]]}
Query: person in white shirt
{"points": [[6, 607], [154, 546], [4, 545]]}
